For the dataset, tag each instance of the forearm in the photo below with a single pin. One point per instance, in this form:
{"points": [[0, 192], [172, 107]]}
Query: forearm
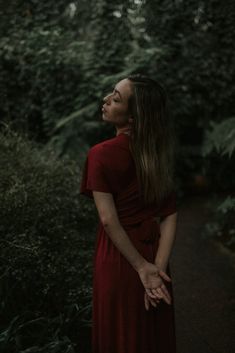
{"points": [[121, 240], [166, 241]]}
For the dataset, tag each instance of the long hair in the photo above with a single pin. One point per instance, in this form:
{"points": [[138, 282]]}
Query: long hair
{"points": [[152, 139]]}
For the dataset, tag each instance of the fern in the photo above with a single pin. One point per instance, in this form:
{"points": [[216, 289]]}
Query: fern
{"points": [[220, 138]]}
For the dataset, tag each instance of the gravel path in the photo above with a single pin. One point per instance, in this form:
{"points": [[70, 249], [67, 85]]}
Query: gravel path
{"points": [[203, 275]]}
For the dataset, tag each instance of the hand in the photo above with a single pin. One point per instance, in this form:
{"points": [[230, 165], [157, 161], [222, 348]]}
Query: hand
{"points": [[163, 294], [152, 279], [148, 301]]}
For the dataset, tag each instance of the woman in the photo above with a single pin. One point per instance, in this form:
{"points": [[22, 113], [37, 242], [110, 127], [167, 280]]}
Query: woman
{"points": [[130, 178]]}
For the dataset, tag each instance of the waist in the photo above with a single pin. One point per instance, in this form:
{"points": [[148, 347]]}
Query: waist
{"points": [[146, 230]]}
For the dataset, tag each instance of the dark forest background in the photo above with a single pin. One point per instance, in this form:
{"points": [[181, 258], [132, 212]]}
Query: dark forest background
{"points": [[57, 60]]}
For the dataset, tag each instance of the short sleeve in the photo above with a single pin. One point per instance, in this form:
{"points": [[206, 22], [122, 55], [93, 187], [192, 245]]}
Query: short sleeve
{"points": [[169, 205], [95, 174]]}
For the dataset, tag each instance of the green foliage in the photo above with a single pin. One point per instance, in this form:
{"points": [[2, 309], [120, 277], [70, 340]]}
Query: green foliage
{"points": [[27, 334], [219, 142], [222, 226], [58, 60], [220, 138], [46, 247], [197, 66], [37, 69], [218, 151]]}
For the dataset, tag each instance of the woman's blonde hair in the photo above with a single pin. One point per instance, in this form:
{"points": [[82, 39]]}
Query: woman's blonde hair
{"points": [[151, 143]]}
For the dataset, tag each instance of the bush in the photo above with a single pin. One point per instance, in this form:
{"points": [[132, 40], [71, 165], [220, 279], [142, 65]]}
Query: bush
{"points": [[222, 226], [219, 144], [220, 138], [45, 253]]}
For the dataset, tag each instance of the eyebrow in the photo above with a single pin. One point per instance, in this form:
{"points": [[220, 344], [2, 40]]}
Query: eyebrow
{"points": [[116, 91]]}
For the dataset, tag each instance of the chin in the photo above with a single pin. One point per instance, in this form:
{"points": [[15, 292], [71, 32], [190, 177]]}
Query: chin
{"points": [[105, 118]]}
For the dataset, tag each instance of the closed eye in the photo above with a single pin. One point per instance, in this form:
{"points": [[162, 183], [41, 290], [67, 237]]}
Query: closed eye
{"points": [[117, 92], [116, 100]]}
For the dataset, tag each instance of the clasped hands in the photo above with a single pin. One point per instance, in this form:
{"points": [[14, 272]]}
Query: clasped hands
{"points": [[152, 278]]}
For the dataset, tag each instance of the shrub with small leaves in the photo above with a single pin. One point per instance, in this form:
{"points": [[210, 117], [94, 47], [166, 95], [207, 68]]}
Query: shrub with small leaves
{"points": [[46, 247]]}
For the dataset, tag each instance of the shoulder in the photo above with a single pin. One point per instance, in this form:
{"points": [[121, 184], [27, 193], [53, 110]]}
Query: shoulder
{"points": [[108, 148]]}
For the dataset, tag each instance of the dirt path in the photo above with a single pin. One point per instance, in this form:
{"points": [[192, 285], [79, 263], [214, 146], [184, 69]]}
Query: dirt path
{"points": [[203, 275]]}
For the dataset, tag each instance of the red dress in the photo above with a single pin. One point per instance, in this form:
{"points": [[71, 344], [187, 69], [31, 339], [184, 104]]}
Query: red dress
{"points": [[121, 323]]}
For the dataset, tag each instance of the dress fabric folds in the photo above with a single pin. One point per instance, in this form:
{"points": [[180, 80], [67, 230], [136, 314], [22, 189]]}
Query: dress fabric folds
{"points": [[120, 322]]}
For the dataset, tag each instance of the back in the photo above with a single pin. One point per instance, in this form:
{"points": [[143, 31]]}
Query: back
{"points": [[110, 168]]}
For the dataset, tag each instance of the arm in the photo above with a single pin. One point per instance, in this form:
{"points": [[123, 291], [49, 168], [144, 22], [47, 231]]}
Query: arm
{"points": [[168, 230], [148, 272], [109, 218], [166, 241]]}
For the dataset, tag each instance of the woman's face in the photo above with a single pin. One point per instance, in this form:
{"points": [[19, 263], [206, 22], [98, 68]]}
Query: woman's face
{"points": [[115, 109]]}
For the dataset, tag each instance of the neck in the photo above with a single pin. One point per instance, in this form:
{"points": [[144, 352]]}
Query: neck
{"points": [[123, 130]]}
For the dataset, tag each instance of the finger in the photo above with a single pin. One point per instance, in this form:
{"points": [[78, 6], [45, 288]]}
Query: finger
{"points": [[156, 300], [149, 292], [164, 276], [165, 291], [153, 303], [146, 302], [156, 293], [164, 297]]}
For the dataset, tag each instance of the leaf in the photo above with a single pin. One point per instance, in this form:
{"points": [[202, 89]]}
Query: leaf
{"points": [[220, 138], [75, 115]]}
